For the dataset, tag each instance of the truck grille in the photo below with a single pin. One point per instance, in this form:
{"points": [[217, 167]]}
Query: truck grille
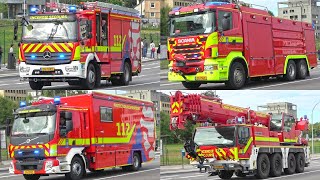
{"points": [[192, 52], [54, 59]]}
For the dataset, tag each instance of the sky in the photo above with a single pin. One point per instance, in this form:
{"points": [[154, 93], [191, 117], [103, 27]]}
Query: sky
{"points": [[305, 100], [272, 5]]}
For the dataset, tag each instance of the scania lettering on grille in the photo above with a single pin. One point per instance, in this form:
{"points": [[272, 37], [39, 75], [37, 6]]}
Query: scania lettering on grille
{"points": [[189, 40]]}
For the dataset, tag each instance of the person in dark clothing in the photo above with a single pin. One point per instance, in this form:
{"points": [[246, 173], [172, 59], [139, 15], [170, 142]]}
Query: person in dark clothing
{"points": [[0, 56], [158, 51]]}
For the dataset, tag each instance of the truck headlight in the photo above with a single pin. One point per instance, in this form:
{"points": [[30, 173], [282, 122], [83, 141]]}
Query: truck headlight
{"points": [[211, 67], [24, 69], [231, 165], [71, 68], [48, 165]]}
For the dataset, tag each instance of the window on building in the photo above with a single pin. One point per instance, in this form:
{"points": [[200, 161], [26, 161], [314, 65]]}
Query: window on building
{"points": [[152, 5], [304, 16], [291, 11], [285, 12], [106, 114], [152, 14]]}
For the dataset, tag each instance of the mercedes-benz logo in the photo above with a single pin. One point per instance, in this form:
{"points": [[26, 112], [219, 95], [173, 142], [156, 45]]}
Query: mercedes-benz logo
{"points": [[28, 140], [46, 55]]}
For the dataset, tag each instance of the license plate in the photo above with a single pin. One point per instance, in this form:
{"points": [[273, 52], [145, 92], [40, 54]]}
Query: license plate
{"points": [[180, 64], [28, 172], [218, 167], [201, 78], [47, 69]]}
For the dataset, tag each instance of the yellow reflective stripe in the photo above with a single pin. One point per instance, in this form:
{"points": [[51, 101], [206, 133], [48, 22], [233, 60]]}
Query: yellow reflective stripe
{"points": [[116, 140], [247, 146], [30, 46], [24, 46], [223, 152], [36, 48], [43, 48], [70, 44], [46, 145], [230, 39], [34, 146], [53, 150], [175, 104], [267, 139], [20, 57], [218, 153], [65, 47], [46, 152], [291, 140], [77, 53], [40, 146], [57, 47]]}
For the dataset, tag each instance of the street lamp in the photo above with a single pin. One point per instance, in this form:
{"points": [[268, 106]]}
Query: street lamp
{"points": [[312, 126]]}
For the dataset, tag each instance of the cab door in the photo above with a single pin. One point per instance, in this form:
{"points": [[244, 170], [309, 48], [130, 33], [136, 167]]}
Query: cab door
{"points": [[244, 141]]}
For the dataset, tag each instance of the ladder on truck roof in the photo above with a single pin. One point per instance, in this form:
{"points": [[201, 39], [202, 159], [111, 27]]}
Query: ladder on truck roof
{"points": [[113, 8]]}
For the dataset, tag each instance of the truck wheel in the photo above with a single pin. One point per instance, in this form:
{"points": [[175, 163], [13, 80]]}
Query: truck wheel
{"points": [[224, 174], [126, 75], [36, 85], [291, 71], [90, 81], [136, 163], [263, 166], [291, 164], [191, 85], [275, 165], [302, 69], [240, 174], [300, 162], [237, 76], [77, 169], [31, 177]]}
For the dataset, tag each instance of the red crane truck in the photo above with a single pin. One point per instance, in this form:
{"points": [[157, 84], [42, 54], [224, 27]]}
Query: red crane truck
{"points": [[81, 45], [218, 42], [71, 134], [239, 140]]}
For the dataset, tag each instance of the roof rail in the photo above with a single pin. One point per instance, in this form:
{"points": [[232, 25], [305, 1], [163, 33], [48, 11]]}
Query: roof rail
{"points": [[112, 7]]}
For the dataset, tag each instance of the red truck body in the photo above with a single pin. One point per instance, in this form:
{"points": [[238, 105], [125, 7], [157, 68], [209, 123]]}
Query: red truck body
{"points": [[108, 131]]}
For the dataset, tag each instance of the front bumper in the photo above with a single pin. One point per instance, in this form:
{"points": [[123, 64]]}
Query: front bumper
{"points": [[205, 76], [73, 71], [48, 166]]}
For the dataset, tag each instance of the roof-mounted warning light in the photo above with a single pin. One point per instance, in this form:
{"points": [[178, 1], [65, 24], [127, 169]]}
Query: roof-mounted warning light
{"points": [[57, 100]]}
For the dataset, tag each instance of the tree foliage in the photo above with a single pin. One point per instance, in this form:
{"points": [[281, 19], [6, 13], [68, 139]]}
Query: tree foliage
{"points": [[271, 13], [164, 12], [62, 93], [6, 110], [210, 93]]}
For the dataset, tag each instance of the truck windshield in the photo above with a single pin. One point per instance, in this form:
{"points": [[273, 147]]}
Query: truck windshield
{"points": [[54, 31], [34, 124], [217, 136], [192, 24], [276, 122]]}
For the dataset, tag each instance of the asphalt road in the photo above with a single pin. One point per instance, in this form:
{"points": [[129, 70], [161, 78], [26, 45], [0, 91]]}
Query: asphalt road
{"points": [[311, 173], [147, 79], [149, 171], [312, 82]]}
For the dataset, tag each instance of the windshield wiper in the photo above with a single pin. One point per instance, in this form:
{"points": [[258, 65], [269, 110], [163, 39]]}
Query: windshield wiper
{"points": [[20, 135], [40, 133], [219, 145]]}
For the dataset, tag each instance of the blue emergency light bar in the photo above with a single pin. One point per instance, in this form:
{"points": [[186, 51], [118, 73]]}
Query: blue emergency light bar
{"points": [[73, 8], [23, 103], [57, 100]]}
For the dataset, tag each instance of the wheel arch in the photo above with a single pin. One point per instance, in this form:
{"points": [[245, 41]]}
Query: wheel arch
{"points": [[295, 58], [237, 57], [73, 152]]}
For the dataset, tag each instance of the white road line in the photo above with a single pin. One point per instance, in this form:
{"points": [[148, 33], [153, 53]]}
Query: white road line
{"points": [[149, 64], [156, 67], [120, 87], [284, 177], [184, 177], [126, 174], [169, 84], [283, 83], [4, 84], [145, 75]]}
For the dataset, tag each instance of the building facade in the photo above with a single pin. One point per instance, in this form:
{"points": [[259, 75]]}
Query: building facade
{"points": [[279, 107], [149, 10], [175, 3], [301, 10], [15, 95], [16, 7]]}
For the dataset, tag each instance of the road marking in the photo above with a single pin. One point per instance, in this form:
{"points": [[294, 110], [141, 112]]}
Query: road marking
{"points": [[156, 67], [295, 174], [169, 84], [149, 64], [135, 85], [283, 83], [185, 177], [126, 174], [144, 75]]}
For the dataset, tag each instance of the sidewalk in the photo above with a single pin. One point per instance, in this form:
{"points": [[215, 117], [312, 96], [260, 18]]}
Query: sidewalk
{"points": [[4, 72]]}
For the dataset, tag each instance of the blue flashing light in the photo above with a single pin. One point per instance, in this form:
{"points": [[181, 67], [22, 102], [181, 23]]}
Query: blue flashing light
{"points": [[33, 10], [305, 117], [36, 151], [57, 100], [195, 56], [216, 3], [23, 103], [33, 56], [72, 8], [61, 55], [176, 8], [20, 152]]}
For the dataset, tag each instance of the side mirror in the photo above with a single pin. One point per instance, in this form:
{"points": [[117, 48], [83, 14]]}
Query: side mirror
{"points": [[69, 125], [89, 26], [226, 22], [15, 31]]}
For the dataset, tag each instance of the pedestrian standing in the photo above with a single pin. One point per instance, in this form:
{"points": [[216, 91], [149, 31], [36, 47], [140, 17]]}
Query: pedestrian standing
{"points": [[11, 49], [142, 49], [145, 47], [0, 56], [158, 51], [153, 49]]}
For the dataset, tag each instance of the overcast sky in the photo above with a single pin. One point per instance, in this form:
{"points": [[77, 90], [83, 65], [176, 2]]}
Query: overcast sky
{"points": [[272, 5], [305, 100]]}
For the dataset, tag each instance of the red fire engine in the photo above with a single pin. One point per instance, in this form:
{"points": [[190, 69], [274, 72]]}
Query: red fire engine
{"points": [[240, 140], [219, 42], [71, 134], [81, 45]]}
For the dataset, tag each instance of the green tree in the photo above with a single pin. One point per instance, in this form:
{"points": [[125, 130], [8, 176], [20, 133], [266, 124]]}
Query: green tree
{"points": [[164, 21], [271, 13], [117, 2], [4, 9], [129, 3], [62, 93], [6, 110], [210, 93]]}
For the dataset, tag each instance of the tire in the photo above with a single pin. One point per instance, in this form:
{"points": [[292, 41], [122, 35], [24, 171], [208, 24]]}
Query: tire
{"points": [[275, 165], [237, 76], [126, 75], [31, 177], [301, 162], [98, 77], [302, 69], [239, 173], [74, 83], [263, 166], [90, 81], [136, 163], [224, 174], [291, 71], [77, 169], [291, 164], [191, 85], [36, 85]]}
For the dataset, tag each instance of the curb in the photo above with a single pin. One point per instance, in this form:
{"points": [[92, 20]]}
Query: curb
{"points": [[4, 75]]}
